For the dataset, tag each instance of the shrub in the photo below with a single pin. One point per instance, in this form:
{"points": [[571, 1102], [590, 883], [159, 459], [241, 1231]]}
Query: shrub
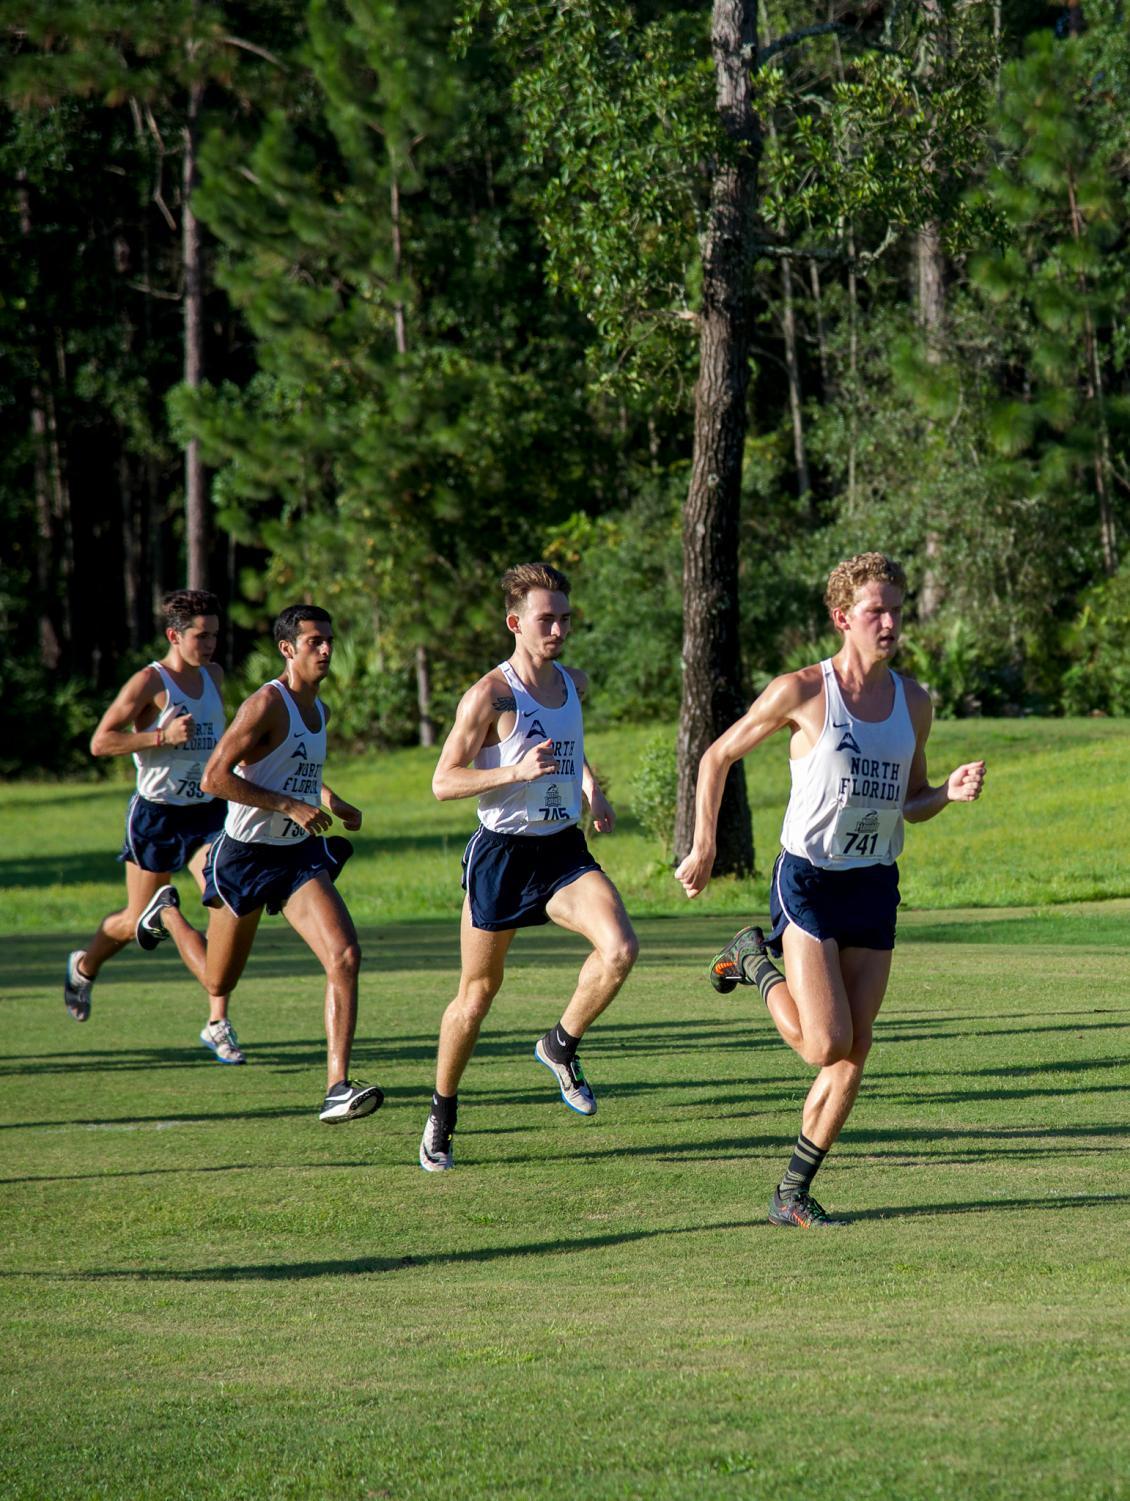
{"points": [[654, 791]]}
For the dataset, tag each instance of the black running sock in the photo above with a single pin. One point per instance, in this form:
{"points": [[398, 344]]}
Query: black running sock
{"points": [[807, 1157], [445, 1108], [758, 969], [560, 1045]]}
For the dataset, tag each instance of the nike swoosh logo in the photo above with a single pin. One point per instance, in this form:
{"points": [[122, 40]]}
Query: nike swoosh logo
{"points": [[843, 726], [528, 713]]}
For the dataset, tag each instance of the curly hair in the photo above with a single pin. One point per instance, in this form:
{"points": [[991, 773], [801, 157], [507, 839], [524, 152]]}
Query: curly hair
{"points": [[180, 608], [865, 568]]}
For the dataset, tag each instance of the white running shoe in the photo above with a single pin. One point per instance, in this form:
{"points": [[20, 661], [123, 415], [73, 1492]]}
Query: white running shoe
{"points": [[77, 988], [150, 929], [220, 1037], [436, 1155], [575, 1088], [349, 1101]]}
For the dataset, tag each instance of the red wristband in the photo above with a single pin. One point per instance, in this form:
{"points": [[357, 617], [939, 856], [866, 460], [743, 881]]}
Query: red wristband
{"points": [[160, 737]]}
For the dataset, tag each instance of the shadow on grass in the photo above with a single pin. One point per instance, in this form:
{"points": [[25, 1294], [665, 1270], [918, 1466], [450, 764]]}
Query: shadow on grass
{"points": [[370, 1265]]}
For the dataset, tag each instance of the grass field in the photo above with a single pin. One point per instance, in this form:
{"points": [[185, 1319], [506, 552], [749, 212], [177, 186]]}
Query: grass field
{"points": [[206, 1293]]}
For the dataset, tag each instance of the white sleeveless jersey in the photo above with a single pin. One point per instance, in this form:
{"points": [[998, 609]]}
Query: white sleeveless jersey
{"points": [[293, 768], [551, 803], [171, 773], [847, 796]]}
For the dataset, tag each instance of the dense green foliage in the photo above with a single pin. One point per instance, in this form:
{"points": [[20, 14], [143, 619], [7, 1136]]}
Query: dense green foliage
{"points": [[451, 266]]}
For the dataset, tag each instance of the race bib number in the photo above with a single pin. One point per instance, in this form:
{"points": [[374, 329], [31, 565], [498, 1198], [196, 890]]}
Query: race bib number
{"points": [[549, 802], [862, 833]]}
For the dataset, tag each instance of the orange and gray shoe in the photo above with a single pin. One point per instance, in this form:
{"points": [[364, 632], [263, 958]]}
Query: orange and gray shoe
{"points": [[726, 967], [800, 1210]]}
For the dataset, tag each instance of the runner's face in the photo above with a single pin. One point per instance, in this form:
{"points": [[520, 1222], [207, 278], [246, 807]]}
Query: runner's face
{"points": [[197, 644], [541, 622], [313, 647], [875, 619]]}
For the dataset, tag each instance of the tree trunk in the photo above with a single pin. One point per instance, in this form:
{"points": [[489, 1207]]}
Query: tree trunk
{"points": [[424, 697], [931, 310], [195, 493], [712, 670]]}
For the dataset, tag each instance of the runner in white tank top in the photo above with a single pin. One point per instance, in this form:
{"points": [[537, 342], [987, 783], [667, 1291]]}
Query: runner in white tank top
{"points": [[293, 769], [269, 768], [167, 717], [858, 759], [845, 809], [517, 745], [170, 772], [549, 803]]}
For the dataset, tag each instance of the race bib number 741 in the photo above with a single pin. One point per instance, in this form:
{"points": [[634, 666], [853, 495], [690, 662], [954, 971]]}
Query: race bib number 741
{"points": [[863, 833]]}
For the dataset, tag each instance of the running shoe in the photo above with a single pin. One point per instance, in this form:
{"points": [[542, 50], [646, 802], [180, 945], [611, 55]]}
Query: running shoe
{"points": [[220, 1037], [575, 1088], [436, 1155], [77, 988], [349, 1101], [800, 1210], [726, 967], [150, 929]]}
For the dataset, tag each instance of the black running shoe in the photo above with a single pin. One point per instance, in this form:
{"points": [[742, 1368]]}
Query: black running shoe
{"points": [[800, 1210], [150, 929], [726, 967], [348, 1100]]}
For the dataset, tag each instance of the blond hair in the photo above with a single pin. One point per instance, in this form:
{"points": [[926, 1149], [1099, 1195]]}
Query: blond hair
{"points": [[517, 582], [865, 568]]}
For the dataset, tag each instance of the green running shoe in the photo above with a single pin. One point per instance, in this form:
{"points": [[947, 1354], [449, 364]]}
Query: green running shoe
{"points": [[800, 1210], [726, 968]]}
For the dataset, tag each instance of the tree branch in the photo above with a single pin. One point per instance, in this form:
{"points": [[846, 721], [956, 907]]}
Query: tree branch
{"points": [[268, 57], [839, 254], [826, 28]]}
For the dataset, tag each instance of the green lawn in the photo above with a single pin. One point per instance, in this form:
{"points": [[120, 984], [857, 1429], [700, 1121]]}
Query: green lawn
{"points": [[1053, 826], [206, 1293]]}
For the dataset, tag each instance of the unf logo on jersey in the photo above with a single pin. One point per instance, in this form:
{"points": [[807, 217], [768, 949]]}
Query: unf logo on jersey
{"points": [[537, 730], [301, 754]]}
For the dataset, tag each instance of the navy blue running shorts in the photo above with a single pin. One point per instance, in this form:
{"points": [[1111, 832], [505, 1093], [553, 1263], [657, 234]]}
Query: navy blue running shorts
{"points": [[510, 877], [163, 837], [856, 907], [244, 876]]}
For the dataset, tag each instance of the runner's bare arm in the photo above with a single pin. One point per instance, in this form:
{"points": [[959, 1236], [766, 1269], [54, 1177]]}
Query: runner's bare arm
{"points": [[259, 726], [350, 816], [771, 711], [479, 711], [603, 817], [961, 786], [136, 704]]}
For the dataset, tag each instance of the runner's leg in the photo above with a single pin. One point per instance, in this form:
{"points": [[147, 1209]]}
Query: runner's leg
{"points": [[591, 906], [482, 958], [864, 973], [321, 919], [118, 928]]}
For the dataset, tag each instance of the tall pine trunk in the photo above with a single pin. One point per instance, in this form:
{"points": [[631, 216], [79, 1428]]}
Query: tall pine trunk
{"points": [[712, 668], [195, 492]]}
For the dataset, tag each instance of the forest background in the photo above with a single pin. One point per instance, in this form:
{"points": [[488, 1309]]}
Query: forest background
{"points": [[362, 300]]}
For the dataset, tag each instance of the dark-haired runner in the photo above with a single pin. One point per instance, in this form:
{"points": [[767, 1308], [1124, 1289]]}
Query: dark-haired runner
{"points": [[168, 717], [268, 767], [518, 746], [858, 760]]}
